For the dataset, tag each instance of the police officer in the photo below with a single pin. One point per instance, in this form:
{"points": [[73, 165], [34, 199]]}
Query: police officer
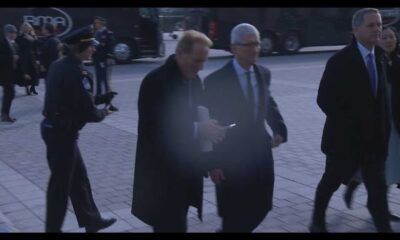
{"points": [[103, 58], [68, 107]]}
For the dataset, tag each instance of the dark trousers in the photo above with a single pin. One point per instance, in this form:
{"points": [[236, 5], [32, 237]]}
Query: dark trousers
{"points": [[102, 77], [68, 178], [374, 179], [172, 219], [8, 96]]}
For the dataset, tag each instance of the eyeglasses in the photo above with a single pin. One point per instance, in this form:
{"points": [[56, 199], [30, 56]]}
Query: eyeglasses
{"points": [[250, 44]]}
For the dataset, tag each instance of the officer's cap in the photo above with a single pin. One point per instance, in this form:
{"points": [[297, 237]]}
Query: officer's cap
{"points": [[101, 19], [81, 36], [9, 28]]}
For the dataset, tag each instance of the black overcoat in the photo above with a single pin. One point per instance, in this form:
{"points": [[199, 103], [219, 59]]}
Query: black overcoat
{"points": [[356, 120], [168, 166]]}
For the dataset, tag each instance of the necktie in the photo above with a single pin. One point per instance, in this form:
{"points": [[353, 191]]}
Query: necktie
{"points": [[250, 93], [372, 73]]}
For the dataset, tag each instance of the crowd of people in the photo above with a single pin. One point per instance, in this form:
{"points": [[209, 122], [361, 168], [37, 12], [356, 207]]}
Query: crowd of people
{"points": [[26, 58]]}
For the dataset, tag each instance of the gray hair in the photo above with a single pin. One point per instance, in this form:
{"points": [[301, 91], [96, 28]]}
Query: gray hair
{"points": [[189, 38], [358, 17], [242, 30]]}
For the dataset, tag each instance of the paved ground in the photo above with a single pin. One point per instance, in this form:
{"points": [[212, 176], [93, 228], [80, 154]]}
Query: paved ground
{"points": [[108, 149]]}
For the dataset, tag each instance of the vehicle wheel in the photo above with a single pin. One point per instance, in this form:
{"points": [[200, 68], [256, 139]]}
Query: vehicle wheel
{"points": [[123, 52], [291, 43], [267, 44]]}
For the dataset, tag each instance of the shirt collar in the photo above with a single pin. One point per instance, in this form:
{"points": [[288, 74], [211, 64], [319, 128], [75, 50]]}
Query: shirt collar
{"points": [[364, 51], [239, 69]]}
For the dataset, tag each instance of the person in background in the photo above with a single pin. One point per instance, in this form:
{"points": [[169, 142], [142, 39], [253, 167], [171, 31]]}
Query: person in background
{"points": [[103, 58], [50, 48], [28, 64], [9, 55], [390, 43]]}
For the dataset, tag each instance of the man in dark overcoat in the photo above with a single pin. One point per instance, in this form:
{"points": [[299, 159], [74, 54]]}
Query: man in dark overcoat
{"points": [[242, 164], [168, 175], [8, 70], [352, 94]]}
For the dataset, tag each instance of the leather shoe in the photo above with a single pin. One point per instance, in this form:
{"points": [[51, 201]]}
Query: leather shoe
{"points": [[113, 108], [317, 228], [7, 118], [394, 217], [101, 224]]}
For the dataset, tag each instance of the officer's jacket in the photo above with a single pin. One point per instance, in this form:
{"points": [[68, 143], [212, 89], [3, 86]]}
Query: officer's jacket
{"points": [[106, 44], [69, 101]]}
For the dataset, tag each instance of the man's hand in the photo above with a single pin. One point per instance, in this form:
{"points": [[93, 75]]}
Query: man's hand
{"points": [[211, 130], [217, 175], [276, 140]]}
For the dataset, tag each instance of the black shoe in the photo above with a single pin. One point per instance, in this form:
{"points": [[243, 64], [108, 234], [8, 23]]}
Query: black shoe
{"points": [[394, 217], [113, 108], [33, 90], [7, 118], [101, 224], [317, 228], [28, 92]]}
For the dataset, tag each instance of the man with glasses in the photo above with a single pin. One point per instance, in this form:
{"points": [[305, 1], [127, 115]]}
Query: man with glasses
{"points": [[241, 166]]}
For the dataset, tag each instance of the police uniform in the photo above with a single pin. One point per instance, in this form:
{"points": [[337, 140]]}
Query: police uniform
{"points": [[104, 51], [68, 107]]}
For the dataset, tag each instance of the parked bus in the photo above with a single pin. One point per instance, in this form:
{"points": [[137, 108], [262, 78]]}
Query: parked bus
{"points": [[286, 29], [137, 30]]}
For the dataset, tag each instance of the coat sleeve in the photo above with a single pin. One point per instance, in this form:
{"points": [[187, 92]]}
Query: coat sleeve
{"points": [[330, 93], [273, 115], [84, 102]]}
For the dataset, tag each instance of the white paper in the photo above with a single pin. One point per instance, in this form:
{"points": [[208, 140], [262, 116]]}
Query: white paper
{"points": [[202, 116]]}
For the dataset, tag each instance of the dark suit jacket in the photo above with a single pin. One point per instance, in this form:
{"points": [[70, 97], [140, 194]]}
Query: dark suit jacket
{"points": [[167, 167], [356, 121], [7, 73], [245, 154]]}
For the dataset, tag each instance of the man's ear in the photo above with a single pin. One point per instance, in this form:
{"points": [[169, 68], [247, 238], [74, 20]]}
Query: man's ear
{"points": [[233, 48]]}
